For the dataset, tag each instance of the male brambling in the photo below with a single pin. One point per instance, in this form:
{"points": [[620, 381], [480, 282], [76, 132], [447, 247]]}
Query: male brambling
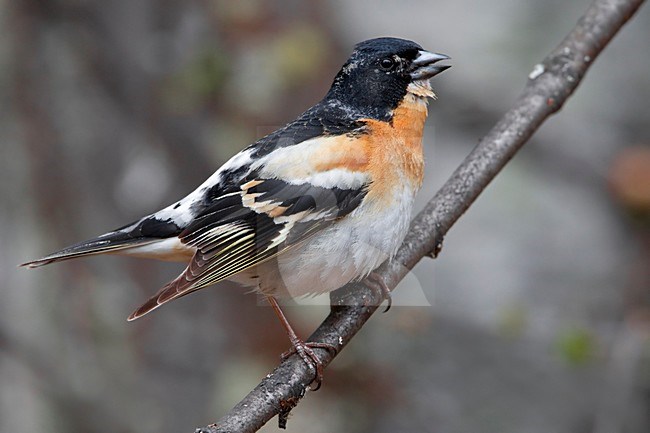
{"points": [[310, 207]]}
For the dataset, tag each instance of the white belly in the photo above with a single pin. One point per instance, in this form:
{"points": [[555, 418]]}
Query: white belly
{"points": [[346, 251]]}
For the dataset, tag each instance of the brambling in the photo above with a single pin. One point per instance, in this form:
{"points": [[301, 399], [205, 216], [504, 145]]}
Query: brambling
{"points": [[308, 208]]}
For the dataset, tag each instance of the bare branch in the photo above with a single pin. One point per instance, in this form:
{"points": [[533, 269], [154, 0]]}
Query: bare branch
{"points": [[549, 86]]}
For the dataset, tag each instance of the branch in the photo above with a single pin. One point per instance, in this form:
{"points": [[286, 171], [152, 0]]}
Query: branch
{"points": [[549, 86]]}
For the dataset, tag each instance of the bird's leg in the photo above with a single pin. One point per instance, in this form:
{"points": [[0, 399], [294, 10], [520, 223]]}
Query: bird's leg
{"points": [[376, 283], [303, 349]]}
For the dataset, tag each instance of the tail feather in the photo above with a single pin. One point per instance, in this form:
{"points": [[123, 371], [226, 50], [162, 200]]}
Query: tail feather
{"points": [[175, 289], [147, 230], [108, 243]]}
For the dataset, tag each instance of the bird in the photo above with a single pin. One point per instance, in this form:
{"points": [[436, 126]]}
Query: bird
{"points": [[308, 208]]}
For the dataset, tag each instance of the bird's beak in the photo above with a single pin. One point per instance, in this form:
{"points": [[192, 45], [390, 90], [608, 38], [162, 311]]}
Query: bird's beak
{"points": [[423, 67]]}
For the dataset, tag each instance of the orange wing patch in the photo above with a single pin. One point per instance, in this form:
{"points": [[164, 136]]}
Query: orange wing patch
{"points": [[341, 152], [316, 157]]}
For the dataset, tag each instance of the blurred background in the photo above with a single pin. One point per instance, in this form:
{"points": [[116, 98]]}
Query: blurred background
{"points": [[534, 318]]}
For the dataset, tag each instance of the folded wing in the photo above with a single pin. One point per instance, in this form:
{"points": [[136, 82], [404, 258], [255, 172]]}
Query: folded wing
{"points": [[244, 228]]}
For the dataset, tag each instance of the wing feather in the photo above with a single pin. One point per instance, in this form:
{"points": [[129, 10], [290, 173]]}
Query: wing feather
{"points": [[269, 216]]}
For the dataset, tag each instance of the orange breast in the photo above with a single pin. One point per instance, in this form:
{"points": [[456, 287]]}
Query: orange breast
{"points": [[390, 152], [395, 148]]}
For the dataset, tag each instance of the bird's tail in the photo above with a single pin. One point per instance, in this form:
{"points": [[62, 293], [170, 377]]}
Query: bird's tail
{"points": [[104, 244], [125, 240]]}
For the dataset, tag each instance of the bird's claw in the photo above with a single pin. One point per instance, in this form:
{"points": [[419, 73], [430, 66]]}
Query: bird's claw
{"points": [[307, 354], [376, 283]]}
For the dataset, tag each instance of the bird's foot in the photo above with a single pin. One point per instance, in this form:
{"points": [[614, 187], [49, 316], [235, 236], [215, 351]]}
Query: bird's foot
{"points": [[376, 283], [307, 354], [304, 350]]}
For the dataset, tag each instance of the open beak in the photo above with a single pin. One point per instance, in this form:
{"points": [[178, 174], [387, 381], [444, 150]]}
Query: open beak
{"points": [[423, 67]]}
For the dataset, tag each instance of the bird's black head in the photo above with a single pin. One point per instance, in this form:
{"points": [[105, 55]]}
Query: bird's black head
{"points": [[378, 74]]}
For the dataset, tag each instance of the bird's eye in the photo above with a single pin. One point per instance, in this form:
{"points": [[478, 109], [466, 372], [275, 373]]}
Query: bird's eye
{"points": [[387, 64]]}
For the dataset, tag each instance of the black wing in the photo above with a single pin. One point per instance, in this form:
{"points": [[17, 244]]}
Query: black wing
{"points": [[242, 229]]}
